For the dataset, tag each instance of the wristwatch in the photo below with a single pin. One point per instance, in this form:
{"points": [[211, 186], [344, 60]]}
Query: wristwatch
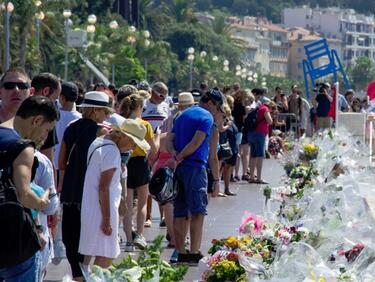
{"points": [[39, 228]]}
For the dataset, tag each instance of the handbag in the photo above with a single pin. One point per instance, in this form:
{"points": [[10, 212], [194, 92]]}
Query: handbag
{"points": [[19, 240], [225, 151]]}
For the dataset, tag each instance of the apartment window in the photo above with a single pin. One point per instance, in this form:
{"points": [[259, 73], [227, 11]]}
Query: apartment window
{"points": [[299, 66]]}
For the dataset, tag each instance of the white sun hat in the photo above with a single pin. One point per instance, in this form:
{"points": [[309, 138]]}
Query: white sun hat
{"points": [[135, 130], [185, 99], [96, 99]]}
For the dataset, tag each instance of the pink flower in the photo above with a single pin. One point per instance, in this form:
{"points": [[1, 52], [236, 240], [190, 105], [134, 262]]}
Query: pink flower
{"points": [[251, 224], [205, 275]]}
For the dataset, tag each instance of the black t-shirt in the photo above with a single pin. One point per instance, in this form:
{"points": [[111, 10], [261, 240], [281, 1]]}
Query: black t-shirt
{"points": [[238, 113], [79, 134], [51, 140], [324, 105]]}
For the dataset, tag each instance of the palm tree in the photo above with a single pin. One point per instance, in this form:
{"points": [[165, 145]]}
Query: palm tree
{"points": [[220, 26], [181, 10]]}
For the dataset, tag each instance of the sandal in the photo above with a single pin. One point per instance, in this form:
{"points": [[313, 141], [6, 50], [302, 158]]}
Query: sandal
{"points": [[246, 177], [252, 181], [229, 193], [261, 181]]}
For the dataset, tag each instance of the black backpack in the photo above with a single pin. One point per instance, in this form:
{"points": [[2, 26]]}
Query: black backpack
{"points": [[19, 240], [251, 123]]}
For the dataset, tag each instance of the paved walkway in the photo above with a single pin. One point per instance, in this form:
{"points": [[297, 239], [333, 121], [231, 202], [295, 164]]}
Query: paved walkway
{"points": [[224, 217]]}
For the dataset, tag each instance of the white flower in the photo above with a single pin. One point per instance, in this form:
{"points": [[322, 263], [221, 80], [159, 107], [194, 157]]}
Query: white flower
{"points": [[268, 233]]}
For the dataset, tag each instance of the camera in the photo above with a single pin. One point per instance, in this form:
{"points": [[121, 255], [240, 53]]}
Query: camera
{"points": [[322, 87]]}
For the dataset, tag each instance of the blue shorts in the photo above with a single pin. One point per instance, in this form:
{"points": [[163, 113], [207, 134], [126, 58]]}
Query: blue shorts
{"points": [[257, 142], [192, 191]]}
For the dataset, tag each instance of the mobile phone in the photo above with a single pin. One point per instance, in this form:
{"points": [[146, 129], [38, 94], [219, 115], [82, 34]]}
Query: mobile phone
{"points": [[51, 195]]}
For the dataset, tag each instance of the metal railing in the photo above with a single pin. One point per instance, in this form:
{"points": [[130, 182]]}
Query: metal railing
{"points": [[289, 124]]}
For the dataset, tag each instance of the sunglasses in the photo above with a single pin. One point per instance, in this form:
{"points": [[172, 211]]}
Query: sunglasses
{"points": [[162, 96], [19, 85]]}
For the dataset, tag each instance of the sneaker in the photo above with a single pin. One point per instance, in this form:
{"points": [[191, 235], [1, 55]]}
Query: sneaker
{"points": [[162, 223], [140, 242], [134, 234], [148, 223], [174, 257], [129, 247]]}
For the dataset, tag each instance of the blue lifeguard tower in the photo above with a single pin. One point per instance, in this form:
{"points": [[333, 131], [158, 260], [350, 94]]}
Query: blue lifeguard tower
{"points": [[313, 69]]}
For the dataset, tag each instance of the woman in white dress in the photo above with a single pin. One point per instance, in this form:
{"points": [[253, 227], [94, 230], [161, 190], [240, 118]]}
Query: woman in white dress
{"points": [[102, 192]]}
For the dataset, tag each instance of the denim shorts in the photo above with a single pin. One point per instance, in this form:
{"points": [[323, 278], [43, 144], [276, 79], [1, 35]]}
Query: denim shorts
{"points": [[192, 191], [257, 143], [26, 271]]}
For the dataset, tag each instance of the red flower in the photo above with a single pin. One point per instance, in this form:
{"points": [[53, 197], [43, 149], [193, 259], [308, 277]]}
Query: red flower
{"points": [[232, 257]]}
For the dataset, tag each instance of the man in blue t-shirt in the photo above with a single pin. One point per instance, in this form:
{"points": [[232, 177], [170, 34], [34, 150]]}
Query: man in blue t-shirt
{"points": [[323, 104], [190, 143]]}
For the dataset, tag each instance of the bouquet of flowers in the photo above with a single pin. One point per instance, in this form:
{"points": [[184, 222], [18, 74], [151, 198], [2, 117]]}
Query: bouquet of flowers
{"points": [[148, 267], [309, 152], [224, 266], [251, 225]]}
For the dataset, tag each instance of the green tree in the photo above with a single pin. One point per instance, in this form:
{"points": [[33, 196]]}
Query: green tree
{"points": [[362, 73]]}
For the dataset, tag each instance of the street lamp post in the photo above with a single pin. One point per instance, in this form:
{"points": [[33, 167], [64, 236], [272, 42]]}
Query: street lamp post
{"points": [[191, 60], [91, 19], [113, 25], [39, 17], [146, 35], [67, 23], [8, 11]]}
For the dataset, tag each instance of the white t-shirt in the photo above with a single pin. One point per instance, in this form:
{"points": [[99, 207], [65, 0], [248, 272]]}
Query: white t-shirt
{"points": [[92, 241], [66, 118], [156, 114]]}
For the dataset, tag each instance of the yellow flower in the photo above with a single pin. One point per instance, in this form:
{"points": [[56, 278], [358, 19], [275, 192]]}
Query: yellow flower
{"points": [[310, 148], [232, 242], [247, 239], [321, 279]]}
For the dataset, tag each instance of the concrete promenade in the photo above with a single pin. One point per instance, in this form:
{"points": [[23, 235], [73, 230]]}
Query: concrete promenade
{"points": [[224, 217]]}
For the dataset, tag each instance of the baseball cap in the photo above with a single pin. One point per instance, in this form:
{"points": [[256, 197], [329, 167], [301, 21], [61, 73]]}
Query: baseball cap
{"points": [[218, 97]]}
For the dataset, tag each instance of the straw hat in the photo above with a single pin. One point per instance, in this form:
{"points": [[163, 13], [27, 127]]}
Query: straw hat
{"points": [[96, 99], [135, 130], [185, 99]]}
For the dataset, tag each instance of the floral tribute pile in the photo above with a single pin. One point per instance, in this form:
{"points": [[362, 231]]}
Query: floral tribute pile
{"points": [[149, 267], [323, 228]]}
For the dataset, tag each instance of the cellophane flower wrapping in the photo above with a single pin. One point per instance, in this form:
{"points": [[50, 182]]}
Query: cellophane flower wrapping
{"points": [[323, 229]]}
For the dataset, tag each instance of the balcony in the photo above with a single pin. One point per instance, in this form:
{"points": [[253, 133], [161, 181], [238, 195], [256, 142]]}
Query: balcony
{"points": [[280, 44]]}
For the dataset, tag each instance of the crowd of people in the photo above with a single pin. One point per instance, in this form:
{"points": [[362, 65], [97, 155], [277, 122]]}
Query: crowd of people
{"points": [[80, 162]]}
